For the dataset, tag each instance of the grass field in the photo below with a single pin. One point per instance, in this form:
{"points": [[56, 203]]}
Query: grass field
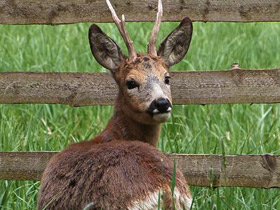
{"points": [[214, 129]]}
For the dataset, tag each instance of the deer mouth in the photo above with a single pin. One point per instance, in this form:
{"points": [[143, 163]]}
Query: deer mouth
{"points": [[158, 111], [160, 115]]}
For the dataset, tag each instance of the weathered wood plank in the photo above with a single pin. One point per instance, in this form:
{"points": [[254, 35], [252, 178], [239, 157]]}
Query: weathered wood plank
{"points": [[80, 89], [75, 11], [23, 165], [259, 171]]}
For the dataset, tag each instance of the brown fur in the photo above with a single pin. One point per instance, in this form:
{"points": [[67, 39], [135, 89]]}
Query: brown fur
{"points": [[117, 173]]}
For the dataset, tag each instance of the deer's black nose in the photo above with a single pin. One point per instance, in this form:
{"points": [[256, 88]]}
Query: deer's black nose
{"points": [[160, 105]]}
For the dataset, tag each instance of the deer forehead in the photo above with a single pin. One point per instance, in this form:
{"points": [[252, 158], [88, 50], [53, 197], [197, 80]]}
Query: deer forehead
{"points": [[145, 68]]}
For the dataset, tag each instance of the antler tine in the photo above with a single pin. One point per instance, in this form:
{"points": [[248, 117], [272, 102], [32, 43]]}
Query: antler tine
{"points": [[152, 42], [122, 29], [128, 41]]}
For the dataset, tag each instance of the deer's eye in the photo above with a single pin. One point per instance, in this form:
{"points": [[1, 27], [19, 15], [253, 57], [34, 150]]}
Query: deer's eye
{"points": [[131, 84], [166, 80]]}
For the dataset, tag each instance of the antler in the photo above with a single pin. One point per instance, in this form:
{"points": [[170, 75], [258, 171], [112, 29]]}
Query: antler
{"points": [[152, 42], [122, 29]]}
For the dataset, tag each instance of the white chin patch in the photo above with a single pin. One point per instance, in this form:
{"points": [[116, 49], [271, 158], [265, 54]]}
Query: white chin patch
{"points": [[162, 117]]}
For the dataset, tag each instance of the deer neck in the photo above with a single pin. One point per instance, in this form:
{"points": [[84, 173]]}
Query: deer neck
{"points": [[123, 127]]}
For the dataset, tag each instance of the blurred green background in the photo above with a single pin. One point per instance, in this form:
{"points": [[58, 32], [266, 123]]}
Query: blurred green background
{"points": [[211, 129]]}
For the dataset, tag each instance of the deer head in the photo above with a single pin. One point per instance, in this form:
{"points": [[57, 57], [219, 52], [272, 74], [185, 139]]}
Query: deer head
{"points": [[142, 78]]}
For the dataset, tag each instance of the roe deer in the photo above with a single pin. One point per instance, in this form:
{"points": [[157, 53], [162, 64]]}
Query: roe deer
{"points": [[121, 168]]}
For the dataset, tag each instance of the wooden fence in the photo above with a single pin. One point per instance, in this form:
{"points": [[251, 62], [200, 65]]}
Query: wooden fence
{"points": [[80, 89], [200, 170], [76, 11]]}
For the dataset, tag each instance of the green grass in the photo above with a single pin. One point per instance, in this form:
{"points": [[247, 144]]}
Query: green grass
{"points": [[214, 129]]}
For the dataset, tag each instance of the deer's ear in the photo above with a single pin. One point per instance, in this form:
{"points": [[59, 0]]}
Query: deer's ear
{"points": [[175, 46], [104, 49]]}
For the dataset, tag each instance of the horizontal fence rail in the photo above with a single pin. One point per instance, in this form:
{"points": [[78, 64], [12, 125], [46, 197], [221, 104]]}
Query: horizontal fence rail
{"points": [[75, 11], [258, 171], [81, 89]]}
